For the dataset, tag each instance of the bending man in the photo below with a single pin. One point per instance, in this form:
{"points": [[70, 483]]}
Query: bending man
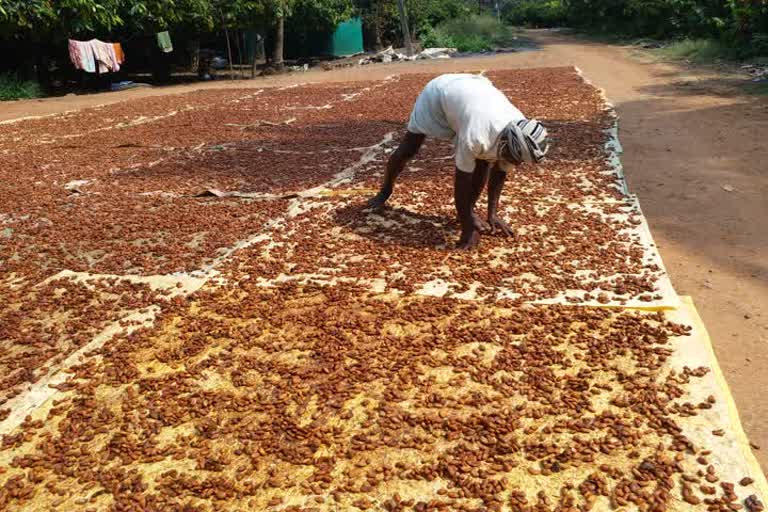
{"points": [[489, 134]]}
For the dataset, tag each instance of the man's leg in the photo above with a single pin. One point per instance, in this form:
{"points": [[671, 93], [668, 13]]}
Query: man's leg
{"points": [[479, 179], [407, 149], [464, 197]]}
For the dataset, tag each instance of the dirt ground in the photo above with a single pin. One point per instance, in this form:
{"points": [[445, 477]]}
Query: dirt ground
{"points": [[694, 153]]}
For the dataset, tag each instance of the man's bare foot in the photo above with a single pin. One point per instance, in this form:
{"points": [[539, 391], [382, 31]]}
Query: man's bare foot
{"points": [[468, 241], [480, 224], [499, 227], [377, 202]]}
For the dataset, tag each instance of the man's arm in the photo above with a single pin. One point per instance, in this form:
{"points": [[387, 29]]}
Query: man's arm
{"points": [[495, 186]]}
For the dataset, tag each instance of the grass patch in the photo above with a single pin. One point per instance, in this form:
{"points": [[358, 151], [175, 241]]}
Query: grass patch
{"points": [[474, 34], [759, 88], [699, 51], [12, 88]]}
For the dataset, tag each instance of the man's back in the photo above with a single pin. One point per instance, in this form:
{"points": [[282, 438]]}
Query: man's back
{"points": [[471, 102]]}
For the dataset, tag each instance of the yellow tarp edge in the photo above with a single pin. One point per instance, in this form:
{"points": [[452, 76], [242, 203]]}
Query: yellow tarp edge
{"points": [[761, 484]]}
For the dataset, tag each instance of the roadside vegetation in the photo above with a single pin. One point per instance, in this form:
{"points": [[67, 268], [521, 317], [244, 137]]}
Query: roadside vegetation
{"points": [[34, 34], [476, 33], [699, 50], [695, 30], [12, 88]]}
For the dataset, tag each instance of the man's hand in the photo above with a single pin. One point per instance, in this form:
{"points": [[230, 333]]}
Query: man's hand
{"points": [[499, 227], [377, 202], [468, 240]]}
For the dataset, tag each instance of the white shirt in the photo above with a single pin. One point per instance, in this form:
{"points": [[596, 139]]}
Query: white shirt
{"points": [[468, 109]]}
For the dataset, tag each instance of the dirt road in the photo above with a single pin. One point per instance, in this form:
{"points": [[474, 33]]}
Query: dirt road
{"points": [[694, 155]]}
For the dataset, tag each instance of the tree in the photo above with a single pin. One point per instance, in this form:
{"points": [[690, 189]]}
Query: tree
{"points": [[38, 27], [43, 19]]}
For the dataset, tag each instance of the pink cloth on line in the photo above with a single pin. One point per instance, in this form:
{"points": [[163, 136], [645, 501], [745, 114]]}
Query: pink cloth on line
{"points": [[81, 55]]}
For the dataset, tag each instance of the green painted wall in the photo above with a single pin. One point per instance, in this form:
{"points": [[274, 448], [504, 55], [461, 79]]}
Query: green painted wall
{"points": [[347, 39]]}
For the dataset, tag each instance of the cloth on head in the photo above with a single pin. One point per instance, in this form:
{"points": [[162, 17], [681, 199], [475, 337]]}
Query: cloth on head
{"points": [[164, 41], [523, 141], [468, 109]]}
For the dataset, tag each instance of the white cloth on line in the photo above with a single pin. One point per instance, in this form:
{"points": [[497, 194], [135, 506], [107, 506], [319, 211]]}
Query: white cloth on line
{"points": [[105, 56], [468, 109]]}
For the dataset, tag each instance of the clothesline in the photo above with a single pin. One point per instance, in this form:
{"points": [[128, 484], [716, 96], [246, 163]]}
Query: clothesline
{"points": [[94, 54]]}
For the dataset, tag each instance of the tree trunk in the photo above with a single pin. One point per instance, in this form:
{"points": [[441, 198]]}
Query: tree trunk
{"points": [[379, 43], [193, 48], [277, 52], [239, 54], [229, 46], [43, 67], [256, 53], [404, 26], [377, 28], [253, 66]]}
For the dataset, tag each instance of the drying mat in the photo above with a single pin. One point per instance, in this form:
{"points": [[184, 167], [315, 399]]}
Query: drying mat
{"points": [[337, 399]]}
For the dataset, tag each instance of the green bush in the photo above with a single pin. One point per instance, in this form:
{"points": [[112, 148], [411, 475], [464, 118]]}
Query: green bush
{"points": [[697, 50], [473, 34], [12, 88], [759, 45], [426, 14], [533, 13]]}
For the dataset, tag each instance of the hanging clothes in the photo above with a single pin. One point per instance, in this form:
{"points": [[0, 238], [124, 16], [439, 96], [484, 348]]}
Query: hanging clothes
{"points": [[164, 42], [105, 56], [81, 55], [119, 54], [87, 55]]}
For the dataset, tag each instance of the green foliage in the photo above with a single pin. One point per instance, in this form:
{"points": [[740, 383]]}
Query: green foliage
{"points": [[317, 15], [732, 28], [473, 34], [698, 50], [535, 13], [37, 18], [426, 14], [61, 19], [12, 88], [423, 16]]}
